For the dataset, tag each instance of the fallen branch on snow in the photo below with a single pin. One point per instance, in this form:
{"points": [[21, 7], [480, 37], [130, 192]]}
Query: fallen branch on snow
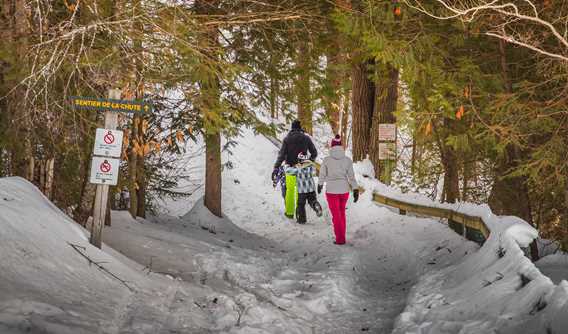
{"points": [[81, 250]]}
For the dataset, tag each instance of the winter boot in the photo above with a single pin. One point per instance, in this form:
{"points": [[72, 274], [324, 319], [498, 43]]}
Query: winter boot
{"points": [[317, 208], [314, 204]]}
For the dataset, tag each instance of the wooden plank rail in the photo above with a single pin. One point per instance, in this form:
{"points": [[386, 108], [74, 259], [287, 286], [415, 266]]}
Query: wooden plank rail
{"points": [[471, 227]]}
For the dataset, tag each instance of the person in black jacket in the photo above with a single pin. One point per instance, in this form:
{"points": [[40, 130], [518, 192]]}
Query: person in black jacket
{"points": [[295, 148], [296, 142]]}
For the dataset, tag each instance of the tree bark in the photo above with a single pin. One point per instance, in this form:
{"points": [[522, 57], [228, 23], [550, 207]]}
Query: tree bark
{"points": [[14, 32], [467, 175], [84, 206], [510, 195], [136, 163], [451, 189], [386, 98], [332, 95], [362, 104], [274, 88], [133, 166], [303, 92], [141, 174], [344, 117], [209, 103], [451, 176], [273, 98], [362, 94], [49, 177], [213, 173]]}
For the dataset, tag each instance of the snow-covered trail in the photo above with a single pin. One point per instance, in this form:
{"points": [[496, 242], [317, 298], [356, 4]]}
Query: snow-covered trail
{"points": [[256, 272], [361, 286], [284, 277]]}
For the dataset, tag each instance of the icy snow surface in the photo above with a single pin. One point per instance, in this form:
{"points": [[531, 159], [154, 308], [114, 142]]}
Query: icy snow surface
{"points": [[255, 271]]}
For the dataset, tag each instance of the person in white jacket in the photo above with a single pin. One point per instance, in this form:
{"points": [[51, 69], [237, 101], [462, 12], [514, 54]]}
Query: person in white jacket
{"points": [[336, 172]]}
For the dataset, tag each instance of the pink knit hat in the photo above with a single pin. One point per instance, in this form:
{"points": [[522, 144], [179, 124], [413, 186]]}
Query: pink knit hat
{"points": [[336, 141]]}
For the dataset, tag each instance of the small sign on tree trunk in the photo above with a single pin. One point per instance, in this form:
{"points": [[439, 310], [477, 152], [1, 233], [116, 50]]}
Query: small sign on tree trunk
{"points": [[387, 132], [387, 151]]}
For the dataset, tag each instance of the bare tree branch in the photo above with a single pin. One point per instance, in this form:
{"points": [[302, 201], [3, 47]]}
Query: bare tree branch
{"points": [[507, 17]]}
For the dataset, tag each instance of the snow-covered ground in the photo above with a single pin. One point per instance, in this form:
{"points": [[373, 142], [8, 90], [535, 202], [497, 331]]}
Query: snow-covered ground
{"points": [[294, 279], [255, 271]]}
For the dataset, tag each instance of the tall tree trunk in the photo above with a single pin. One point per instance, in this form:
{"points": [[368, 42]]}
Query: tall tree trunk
{"points": [[467, 175], [510, 195], [85, 204], [362, 105], [451, 189], [451, 176], [274, 87], [273, 97], [332, 95], [14, 32], [209, 103], [136, 182], [303, 92], [141, 173], [133, 156], [50, 178], [213, 173], [386, 98], [413, 157], [344, 117]]}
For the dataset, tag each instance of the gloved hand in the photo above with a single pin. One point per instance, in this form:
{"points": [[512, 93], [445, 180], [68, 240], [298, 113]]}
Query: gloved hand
{"points": [[355, 195], [320, 187], [274, 176]]}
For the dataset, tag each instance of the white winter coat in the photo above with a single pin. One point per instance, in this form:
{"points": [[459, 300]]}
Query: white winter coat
{"points": [[337, 172]]}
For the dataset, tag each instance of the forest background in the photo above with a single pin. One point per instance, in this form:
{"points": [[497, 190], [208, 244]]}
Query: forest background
{"points": [[478, 90]]}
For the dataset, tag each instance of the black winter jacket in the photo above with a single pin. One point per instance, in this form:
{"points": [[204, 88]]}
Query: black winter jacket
{"points": [[296, 142]]}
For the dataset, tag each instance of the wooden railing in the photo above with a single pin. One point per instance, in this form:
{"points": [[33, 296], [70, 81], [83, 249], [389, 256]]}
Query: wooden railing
{"points": [[470, 227]]}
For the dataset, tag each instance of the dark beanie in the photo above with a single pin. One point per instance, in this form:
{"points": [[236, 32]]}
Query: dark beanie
{"points": [[296, 125], [336, 141]]}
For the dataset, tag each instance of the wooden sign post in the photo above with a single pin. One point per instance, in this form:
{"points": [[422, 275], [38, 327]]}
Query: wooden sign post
{"points": [[101, 193], [108, 147]]}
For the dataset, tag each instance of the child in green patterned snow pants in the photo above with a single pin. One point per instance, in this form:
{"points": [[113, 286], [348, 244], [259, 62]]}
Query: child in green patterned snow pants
{"points": [[291, 195]]}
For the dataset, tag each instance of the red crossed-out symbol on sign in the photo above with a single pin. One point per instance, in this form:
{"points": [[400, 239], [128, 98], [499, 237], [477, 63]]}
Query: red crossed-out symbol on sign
{"points": [[105, 166], [109, 138]]}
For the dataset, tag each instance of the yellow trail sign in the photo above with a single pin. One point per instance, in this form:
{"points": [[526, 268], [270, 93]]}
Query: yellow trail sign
{"points": [[93, 103]]}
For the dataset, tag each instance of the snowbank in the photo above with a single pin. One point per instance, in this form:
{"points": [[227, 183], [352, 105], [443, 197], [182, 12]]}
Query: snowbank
{"points": [[52, 281], [494, 289], [44, 280]]}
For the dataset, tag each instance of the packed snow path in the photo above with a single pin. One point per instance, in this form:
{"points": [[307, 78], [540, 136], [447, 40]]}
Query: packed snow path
{"points": [[252, 272], [284, 277], [255, 271]]}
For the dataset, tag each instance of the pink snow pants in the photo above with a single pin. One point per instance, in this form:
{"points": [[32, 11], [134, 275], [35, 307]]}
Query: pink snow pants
{"points": [[337, 204]]}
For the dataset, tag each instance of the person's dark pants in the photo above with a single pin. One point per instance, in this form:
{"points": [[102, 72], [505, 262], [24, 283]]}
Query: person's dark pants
{"points": [[283, 189], [312, 200]]}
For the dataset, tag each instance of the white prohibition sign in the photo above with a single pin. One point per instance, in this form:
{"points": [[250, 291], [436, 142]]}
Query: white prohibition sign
{"points": [[104, 171], [108, 143]]}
